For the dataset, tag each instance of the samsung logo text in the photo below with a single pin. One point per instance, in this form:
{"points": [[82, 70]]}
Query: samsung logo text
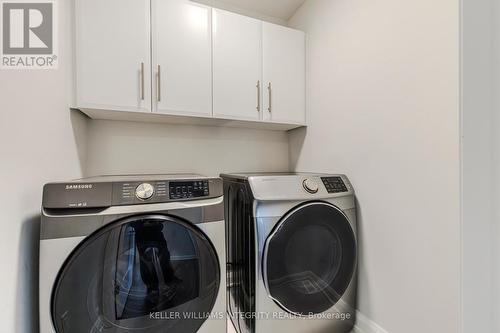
{"points": [[79, 186]]}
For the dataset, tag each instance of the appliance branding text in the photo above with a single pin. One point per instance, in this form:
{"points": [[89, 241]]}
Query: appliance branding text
{"points": [[79, 186]]}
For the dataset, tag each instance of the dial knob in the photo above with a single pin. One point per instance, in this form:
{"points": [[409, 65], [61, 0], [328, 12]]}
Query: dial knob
{"points": [[144, 191], [310, 186]]}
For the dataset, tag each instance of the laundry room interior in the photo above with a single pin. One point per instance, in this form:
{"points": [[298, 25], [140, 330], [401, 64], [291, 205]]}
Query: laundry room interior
{"points": [[395, 102]]}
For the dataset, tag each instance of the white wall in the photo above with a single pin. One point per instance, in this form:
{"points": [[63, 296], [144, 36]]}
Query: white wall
{"points": [[496, 164], [495, 69], [480, 122], [126, 147], [383, 107], [40, 141]]}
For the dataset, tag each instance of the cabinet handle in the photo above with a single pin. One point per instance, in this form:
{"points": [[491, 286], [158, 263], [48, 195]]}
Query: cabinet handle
{"points": [[270, 90], [158, 83], [142, 81], [258, 95]]}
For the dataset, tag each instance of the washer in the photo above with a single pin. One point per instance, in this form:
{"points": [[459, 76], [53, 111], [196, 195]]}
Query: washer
{"points": [[291, 252], [142, 254]]}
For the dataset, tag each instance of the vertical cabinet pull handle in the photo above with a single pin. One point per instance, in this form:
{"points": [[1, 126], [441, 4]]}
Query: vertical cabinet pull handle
{"points": [[258, 95], [158, 84], [142, 81], [270, 89]]}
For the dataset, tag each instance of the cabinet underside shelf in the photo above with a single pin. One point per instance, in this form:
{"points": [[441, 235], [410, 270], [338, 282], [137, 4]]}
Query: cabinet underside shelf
{"points": [[184, 119]]}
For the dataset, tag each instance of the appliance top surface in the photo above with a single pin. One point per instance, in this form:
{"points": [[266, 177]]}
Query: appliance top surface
{"points": [[247, 175], [294, 186], [138, 178]]}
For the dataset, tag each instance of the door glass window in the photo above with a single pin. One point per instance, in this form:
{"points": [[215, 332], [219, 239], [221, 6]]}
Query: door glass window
{"points": [[145, 274], [310, 258]]}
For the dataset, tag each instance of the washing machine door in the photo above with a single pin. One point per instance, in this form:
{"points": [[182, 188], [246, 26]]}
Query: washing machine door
{"points": [[309, 258], [145, 274]]}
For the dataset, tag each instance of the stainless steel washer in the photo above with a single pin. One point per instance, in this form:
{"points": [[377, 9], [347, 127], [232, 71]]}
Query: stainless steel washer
{"points": [[128, 254], [291, 252]]}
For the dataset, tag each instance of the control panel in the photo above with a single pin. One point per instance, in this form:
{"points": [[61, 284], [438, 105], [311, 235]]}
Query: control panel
{"points": [[107, 191], [334, 184], [131, 193], [188, 189]]}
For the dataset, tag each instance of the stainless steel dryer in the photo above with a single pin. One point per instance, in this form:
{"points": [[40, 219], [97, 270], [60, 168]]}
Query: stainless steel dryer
{"points": [[291, 252], [134, 254]]}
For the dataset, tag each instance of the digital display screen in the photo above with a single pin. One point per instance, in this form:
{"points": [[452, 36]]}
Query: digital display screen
{"points": [[334, 184], [188, 189]]}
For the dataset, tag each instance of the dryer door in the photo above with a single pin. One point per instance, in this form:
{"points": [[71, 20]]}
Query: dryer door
{"points": [[147, 274], [309, 258]]}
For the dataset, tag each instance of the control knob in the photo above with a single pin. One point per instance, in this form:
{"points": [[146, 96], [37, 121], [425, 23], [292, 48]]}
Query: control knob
{"points": [[310, 186], [144, 191]]}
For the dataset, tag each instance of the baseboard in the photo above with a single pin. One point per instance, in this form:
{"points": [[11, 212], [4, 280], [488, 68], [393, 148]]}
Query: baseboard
{"points": [[366, 325]]}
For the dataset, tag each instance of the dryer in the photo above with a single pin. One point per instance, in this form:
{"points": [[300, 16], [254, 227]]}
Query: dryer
{"points": [[130, 254], [291, 252]]}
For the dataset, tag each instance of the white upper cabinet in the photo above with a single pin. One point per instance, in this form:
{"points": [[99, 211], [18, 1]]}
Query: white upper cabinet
{"points": [[187, 63], [237, 66], [182, 57], [113, 55], [284, 74]]}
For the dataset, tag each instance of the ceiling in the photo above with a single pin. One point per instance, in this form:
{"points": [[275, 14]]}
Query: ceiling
{"points": [[281, 9]]}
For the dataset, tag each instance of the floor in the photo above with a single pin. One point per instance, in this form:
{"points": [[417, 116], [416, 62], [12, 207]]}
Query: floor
{"points": [[230, 328]]}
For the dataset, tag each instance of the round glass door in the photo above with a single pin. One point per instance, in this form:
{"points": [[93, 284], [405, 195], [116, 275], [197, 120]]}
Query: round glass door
{"points": [[145, 274], [310, 258]]}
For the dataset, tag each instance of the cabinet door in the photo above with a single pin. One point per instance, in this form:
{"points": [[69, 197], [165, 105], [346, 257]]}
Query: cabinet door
{"points": [[182, 57], [237, 65], [113, 55], [284, 74]]}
